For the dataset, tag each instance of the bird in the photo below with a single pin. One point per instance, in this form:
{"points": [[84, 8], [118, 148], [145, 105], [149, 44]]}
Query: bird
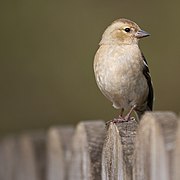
{"points": [[121, 70]]}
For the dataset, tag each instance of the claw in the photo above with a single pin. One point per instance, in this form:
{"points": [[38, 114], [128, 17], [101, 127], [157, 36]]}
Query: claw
{"points": [[121, 119], [117, 120]]}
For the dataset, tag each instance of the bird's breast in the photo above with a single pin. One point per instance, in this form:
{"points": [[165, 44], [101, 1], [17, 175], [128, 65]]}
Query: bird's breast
{"points": [[117, 69]]}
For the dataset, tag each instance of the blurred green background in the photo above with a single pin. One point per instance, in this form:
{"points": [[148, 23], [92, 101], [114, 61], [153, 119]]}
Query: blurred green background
{"points": [[47, 50]]}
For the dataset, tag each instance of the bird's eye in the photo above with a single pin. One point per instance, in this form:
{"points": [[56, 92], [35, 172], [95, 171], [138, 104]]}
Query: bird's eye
{"points": [[127, 29]]}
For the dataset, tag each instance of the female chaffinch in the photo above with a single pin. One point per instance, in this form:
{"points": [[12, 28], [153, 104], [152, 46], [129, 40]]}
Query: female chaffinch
{"points": [[121, 71]]}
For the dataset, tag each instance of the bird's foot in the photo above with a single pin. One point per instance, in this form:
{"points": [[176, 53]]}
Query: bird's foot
{"points": [[129, 118], [120, 119]]}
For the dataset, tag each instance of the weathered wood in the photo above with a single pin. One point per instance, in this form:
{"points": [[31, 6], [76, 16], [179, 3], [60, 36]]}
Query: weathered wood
{"points": [[38, 140], [118, 151], [127, 131], [155, 142], [176, 155], [7, 158], [31, 156], [112, 156], [19, 157], [87, 150], [22, 158], [149, 150], [59, 145]]}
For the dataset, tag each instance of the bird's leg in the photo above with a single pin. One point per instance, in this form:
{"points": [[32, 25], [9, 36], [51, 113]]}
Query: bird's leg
{"points": [[120, 119], [121, 114], [127, 117]]}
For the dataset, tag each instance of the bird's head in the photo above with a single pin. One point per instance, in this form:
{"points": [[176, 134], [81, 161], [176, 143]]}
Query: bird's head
{"points": [[123, 31]]}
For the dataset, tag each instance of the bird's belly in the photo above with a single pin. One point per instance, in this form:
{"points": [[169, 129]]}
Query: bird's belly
{"points": [[124, 87]]}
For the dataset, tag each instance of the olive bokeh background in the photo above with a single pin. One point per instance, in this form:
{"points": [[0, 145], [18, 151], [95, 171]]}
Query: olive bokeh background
{"points": [[47, 50]]}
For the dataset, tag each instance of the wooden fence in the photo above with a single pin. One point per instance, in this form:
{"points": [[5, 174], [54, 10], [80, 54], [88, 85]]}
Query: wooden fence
{"points": [[91, 151]]}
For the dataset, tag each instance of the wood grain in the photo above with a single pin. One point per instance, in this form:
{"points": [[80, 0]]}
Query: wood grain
{"points": [[59, 152], [155, 142], [87, 150]]}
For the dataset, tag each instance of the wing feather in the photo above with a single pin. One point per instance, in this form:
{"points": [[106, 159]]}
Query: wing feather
{"points": [[149, 82]]}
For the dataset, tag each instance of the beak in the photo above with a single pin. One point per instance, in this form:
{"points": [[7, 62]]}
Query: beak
{"points": [[141, 34]]}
